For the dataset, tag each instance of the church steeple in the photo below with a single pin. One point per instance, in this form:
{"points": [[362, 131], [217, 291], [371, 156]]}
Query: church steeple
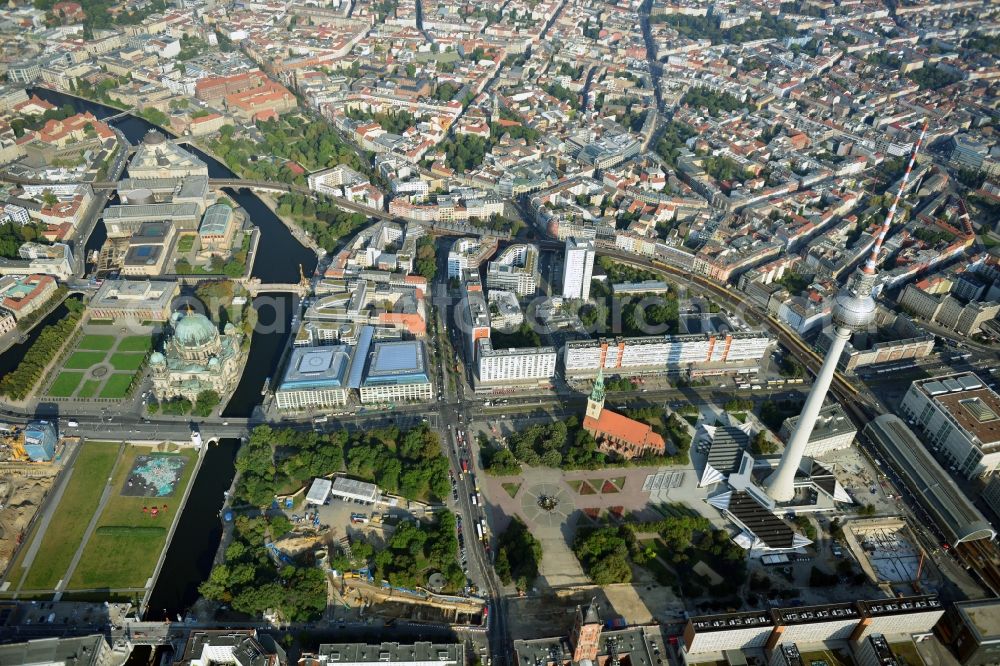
{"points": [[595, 404]]}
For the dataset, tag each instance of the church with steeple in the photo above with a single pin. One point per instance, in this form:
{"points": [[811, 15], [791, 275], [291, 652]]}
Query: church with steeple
{"points": [[591, 643], [617, 434]]}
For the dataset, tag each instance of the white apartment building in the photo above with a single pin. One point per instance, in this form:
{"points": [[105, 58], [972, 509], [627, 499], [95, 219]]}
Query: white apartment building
{"points": [[662, 353], [469, 253], [333, 181], [959, 418], [377, 394], [578, 267], [515, 366], [732, 631], [505, 311], [516, 270], [316, 398]]}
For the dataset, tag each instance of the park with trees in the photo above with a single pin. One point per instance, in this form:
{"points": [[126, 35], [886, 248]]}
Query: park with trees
{"points": [[671, 548], [280, 460], [320, 217]]}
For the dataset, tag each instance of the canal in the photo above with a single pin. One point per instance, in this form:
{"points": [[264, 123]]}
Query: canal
{"points": [[196, 539], [11, 358], [279, 256]]}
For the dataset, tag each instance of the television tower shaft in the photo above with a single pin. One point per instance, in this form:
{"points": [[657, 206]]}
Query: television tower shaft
{"points": [[853, 310]]}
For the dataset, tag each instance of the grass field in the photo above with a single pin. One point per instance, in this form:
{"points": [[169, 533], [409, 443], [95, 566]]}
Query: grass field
{"points": [[96, 342], [117, 558], [89, 389], [116, 386], [69, 522], [65, 384], [125, 354], [127, 361], [135, 343], [185, 243], [81, 360]]}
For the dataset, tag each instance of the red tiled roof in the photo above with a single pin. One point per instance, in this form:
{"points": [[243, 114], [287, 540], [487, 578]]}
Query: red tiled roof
{"points": [[623, 428]]}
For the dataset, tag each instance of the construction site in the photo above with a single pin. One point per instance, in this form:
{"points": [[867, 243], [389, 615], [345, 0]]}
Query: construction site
{"points": [[890, 555], [356, 595], [28, 469]]}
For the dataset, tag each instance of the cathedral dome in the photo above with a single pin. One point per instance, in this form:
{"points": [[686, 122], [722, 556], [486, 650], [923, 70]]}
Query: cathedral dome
{"points": [[194, 329]]}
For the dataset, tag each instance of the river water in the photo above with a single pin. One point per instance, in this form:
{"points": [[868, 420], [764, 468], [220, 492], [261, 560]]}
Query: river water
{"points": [[279, 255]]}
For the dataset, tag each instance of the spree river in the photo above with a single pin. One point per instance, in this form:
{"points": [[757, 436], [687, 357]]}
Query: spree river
{"points": [[279, 255]]}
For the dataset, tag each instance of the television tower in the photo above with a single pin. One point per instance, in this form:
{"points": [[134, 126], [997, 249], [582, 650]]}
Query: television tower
{"points": [[853, 310]]}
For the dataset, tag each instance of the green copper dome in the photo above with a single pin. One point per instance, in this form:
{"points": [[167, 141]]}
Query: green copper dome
{"points": [[194, 329]]}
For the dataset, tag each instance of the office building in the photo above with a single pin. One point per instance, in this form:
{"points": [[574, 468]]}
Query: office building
{"points": [[957, 518], [316, 378], [578, 267], [469, 253], [664, 353], [973, 628], [143, 300], [510, 367], [874, 650], [244, 647], [706, 636], [396, 371], [959, 418], [505, 310], [22, 295], [516, 270], [387, 654], [476, 326], [92, 650], [590, 643], [833, 431]]}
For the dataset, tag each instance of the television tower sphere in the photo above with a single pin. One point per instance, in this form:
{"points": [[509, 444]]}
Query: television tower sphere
{"points": [[854, 307]]}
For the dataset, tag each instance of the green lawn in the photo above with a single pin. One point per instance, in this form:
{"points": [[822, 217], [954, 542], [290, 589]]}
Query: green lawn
{"points": [[126, 558], [127, 361], [81, 360], [100, 322], [116, 386], [186, 243], [89, 388], [135, 343], [69, 522], [97, 342], [65, 384]]}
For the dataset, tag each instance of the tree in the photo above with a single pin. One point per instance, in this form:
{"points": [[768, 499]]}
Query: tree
{"points": [[207, 401], [762, 444]]}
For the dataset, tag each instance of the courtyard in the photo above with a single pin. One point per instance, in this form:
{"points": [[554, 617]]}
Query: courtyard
{"points": [[103, 363]]}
